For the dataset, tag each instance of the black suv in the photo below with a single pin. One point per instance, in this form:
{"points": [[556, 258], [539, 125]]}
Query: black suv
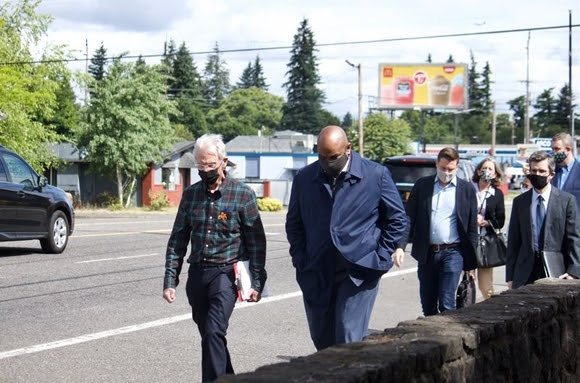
{"points": [[409, 168], [30, 208]]}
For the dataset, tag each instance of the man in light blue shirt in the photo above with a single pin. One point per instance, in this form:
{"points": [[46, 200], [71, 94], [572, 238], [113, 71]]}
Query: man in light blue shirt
{"points": [[442, 212]]}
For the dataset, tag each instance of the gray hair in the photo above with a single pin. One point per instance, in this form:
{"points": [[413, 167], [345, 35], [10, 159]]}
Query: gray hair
{"points": [[566, 139], [539, 156], [210, 142]]}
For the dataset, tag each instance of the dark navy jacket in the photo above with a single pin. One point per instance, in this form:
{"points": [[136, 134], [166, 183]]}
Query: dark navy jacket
{"points": [[419, 213], [363, 223], [572, 184]]}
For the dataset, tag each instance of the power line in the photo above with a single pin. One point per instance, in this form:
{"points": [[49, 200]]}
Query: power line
{"points": [[334, 44]]}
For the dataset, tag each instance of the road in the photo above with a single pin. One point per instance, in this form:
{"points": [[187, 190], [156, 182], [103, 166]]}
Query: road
{"points": [[95, 313]]}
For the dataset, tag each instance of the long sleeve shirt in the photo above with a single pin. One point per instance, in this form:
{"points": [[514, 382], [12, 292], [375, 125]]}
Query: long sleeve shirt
{"points": [[222, 227]]}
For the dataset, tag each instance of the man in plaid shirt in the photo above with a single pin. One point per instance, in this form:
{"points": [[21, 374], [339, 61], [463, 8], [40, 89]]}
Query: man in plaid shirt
{"points": [[219, 217]]}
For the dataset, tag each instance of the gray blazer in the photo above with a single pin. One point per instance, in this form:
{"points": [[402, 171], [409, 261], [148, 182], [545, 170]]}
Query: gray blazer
{"points": [[560, 234]]}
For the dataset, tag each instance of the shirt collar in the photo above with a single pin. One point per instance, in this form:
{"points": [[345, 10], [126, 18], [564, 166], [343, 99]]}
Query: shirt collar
{"points": [[453, 181], [545, 195], [569, 166]]}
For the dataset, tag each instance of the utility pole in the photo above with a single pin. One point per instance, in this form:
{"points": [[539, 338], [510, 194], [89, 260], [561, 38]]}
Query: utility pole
{"points": [[527, 122], [493, 131], [360, 121], [86, 68], [570, 110]]}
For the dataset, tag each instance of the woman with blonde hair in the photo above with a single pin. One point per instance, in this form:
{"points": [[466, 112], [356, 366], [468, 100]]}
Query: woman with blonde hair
{"points": [[490, 211]]}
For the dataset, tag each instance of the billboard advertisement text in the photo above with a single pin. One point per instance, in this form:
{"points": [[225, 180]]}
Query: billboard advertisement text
{"points": [[425, 86]]}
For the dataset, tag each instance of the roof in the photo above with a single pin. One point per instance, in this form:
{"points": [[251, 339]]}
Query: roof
{"points": [[67, 152], [281, 142]]}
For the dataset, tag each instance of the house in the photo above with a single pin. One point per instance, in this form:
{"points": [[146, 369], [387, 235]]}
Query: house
{"points": [[171, 177], [271, 160], [266, 163], [76, 177]]}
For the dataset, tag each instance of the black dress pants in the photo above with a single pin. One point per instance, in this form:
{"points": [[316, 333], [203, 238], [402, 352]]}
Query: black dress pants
{"points": [[212, 295]]}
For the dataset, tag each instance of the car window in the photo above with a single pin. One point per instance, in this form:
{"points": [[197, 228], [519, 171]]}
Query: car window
{"points": [[3, 177], [19, 171], [408, 173]]}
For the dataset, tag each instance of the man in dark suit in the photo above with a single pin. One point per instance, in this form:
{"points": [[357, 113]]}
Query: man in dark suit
{"points": [[567, 168], [442, 212], [542, 219], [344, 221]]}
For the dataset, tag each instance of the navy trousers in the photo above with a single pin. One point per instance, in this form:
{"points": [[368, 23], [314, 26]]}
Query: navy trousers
{"points": [[346, 319], [438, 280], [212, 295]]}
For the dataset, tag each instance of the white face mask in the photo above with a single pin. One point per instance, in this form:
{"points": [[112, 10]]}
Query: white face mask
{"points": [[444, 176]]}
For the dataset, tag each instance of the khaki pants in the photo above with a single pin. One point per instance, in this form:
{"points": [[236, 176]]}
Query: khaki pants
{"points": [[485, 282]]}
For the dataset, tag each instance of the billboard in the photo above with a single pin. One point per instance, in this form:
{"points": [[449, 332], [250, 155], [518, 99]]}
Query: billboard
{"points": [[425, 86]]}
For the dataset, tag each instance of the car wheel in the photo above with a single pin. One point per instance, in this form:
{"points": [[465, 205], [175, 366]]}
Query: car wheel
{"points": [[57, 238]]}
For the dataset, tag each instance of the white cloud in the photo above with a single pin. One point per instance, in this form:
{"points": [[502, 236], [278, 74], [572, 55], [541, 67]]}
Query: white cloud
{"points": [[142, 27]]}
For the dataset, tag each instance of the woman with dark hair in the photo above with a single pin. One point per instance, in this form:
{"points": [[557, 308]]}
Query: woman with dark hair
{"points": [[490, 211]]}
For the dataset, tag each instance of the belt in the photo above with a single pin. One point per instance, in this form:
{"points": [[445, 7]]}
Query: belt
{"points": [[209, 265], [443, 246]]}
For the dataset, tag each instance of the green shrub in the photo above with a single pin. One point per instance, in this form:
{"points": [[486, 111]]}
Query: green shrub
{"points": [[269, 204], [159, 200], [106, 199]]}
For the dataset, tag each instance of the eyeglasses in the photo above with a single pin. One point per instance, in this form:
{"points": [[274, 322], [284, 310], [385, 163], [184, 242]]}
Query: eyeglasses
{"points": [[207, 167]]}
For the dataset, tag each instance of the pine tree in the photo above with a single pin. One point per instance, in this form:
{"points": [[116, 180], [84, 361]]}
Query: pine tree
{"points": [[246, 78], [216, 79], [562, 111], [186, 79], [169, 53], [450, 59], [258, 78], [474, 92], [302, 111], [347, 121], [98, 63], [253, 76], [518, 107], [485, 89], [545, 107]]}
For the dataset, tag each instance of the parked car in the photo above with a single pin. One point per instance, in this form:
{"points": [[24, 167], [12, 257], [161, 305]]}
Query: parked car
{"points": [[409, 168], [30, 208]]}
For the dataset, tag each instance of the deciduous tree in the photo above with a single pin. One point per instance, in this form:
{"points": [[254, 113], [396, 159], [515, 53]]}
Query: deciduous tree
{"points": [[383, 137], [246, 111], [27, 89], [127, 125]]}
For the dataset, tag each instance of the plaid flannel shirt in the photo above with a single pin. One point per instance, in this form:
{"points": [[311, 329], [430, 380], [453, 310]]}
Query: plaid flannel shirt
{"points": [[222, 227]]}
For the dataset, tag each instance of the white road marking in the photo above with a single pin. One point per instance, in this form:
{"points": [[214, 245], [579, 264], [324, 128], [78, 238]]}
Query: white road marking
{"points": [[117, 258], [160, 322]]}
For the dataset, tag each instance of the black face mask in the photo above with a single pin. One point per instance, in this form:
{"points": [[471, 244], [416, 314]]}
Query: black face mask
{"points": [[333, 167], [210, 177], [537, 181]]}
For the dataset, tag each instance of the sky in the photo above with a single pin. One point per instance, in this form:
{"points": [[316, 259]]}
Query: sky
{"points": [[360, 29]]}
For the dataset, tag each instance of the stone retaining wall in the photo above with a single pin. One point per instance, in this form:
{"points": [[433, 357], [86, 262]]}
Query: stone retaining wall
{"points": [[531, 334]]}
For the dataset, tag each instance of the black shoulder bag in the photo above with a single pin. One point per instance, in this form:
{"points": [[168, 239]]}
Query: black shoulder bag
{"points": [[491, 248]]}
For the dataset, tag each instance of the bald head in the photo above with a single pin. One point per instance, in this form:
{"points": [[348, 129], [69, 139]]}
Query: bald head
{"points": [[333, 150], [332, 141]]}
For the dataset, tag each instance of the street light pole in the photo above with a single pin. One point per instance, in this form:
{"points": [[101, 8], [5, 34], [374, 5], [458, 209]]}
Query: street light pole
{"points": [[360, 121]]}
